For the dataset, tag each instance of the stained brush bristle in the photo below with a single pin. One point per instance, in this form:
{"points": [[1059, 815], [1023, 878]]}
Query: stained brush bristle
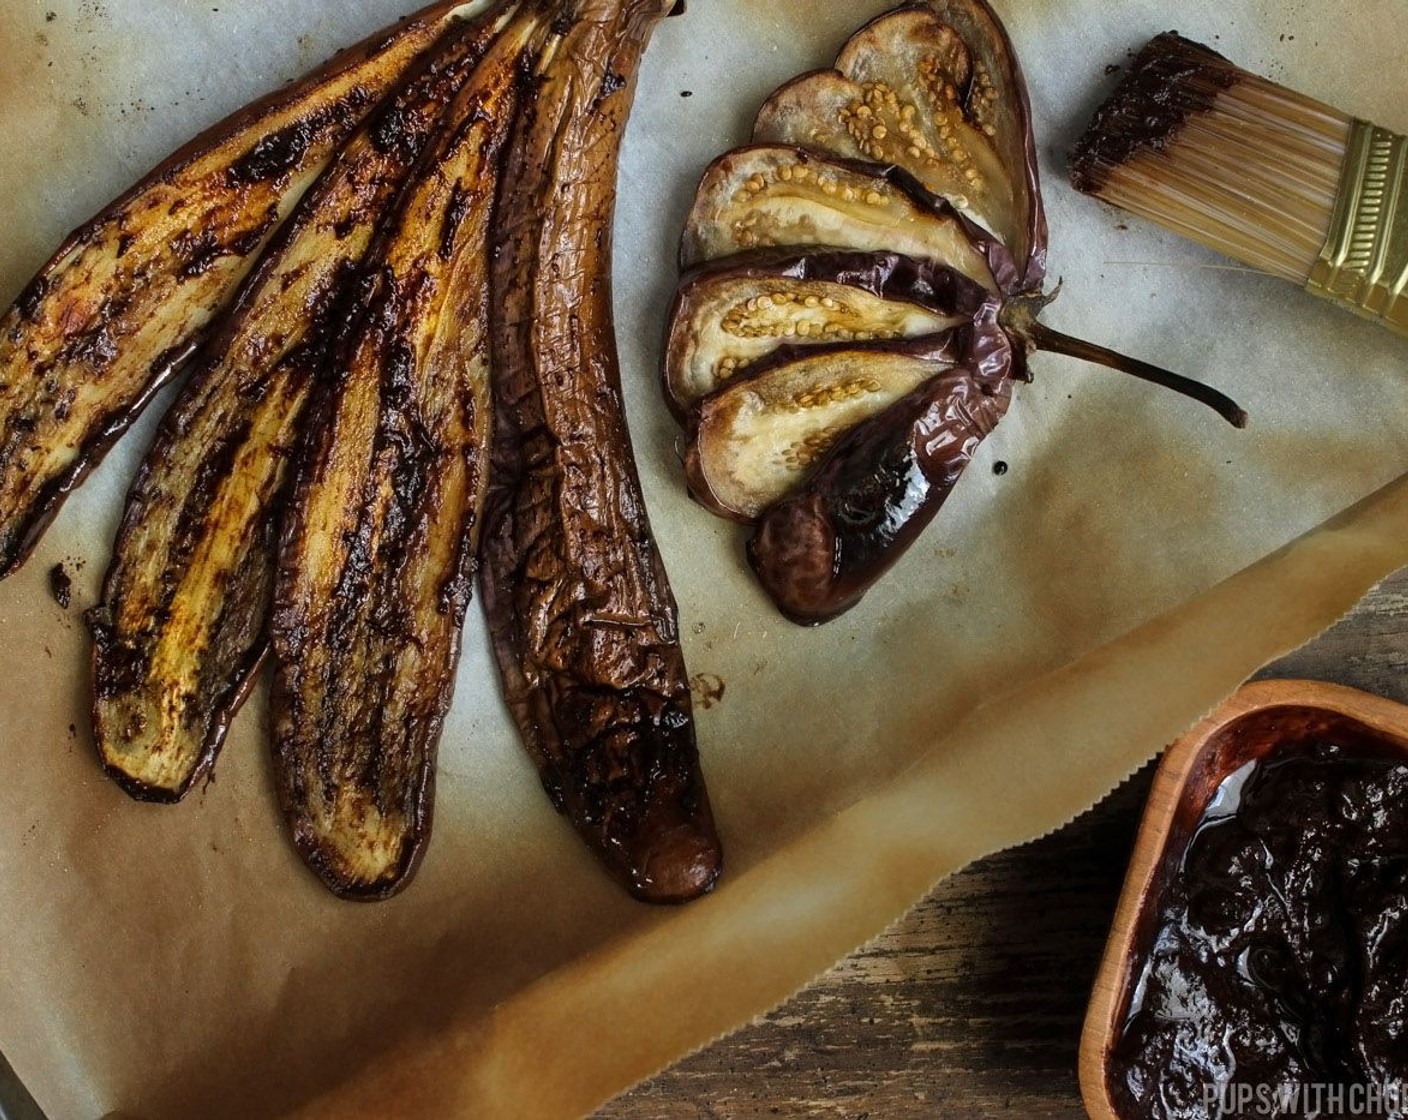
{"points": [[1230, 160]]}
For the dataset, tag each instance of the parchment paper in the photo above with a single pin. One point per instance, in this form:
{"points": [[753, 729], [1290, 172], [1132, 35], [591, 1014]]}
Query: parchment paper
{"points": [[1055, 628]]}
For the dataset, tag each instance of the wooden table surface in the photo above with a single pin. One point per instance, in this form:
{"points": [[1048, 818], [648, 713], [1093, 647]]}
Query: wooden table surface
{"points": [[972, 1006]]}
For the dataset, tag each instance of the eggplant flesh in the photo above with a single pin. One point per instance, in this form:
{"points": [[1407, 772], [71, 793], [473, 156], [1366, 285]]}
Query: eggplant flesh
{"points": [[181, 627], [929, 100], [124, 301], [757, 439], [768, 196], [1003, 112], [724, 325], [906, 91], [376, 560], [580, 609]]}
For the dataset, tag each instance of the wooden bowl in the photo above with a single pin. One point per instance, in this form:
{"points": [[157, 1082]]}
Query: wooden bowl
{"points": [[1187, 779]]}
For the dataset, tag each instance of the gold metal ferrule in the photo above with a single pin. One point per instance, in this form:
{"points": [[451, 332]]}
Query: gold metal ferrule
{"points": [[1364, 265]]}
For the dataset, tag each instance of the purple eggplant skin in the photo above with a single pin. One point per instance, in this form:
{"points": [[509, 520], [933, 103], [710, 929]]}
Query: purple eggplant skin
{"points": [[946, 350], [818, 551]]}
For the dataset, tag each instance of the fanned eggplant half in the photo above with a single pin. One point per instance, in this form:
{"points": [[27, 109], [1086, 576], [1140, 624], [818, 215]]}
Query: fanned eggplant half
{"points": [[181, 627], [766, 197], [725, 319], [125, 299], [919, 144], [580, 609], [377, 558]]}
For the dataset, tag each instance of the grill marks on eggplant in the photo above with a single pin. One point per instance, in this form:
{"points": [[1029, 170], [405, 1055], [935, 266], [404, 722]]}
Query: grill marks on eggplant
{"points": [[581, 612], [124, 300], [181, 628], [377, 559]]}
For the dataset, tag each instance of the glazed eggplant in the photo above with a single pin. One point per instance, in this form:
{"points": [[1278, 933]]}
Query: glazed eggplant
{"points": [[180, 630], [583, 621], [727, 318], [818, 550], [376, 560], [839, 460], [126, 298]]}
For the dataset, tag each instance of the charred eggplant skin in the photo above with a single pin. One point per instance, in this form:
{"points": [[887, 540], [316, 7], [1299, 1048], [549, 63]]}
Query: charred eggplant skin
{"points": [[376, 557], [583, 621], [123, 302], [819, 550], [181, 628]]}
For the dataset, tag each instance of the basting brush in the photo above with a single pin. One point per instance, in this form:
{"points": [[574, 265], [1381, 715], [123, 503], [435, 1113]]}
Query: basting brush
{"points": [[1262, 173]]}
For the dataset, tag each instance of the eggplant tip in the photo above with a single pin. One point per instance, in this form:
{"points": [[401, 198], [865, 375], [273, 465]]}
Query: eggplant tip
{"points": [[680, 865]]}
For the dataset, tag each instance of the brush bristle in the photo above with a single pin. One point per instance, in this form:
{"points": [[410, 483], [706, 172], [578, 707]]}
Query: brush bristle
{"points": [[1230, 160]]}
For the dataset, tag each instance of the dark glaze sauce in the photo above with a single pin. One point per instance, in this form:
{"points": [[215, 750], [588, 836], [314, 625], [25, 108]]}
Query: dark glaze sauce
{"points": [[1171, 80], [1275, 951]]}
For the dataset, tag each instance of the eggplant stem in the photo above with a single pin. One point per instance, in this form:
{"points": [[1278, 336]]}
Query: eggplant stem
{"points": [[1054, 342]]}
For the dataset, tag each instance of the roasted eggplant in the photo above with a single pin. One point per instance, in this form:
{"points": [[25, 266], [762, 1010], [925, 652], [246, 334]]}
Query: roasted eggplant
{"points": [[583, 621], [821, 547], [376, 560], [125, 299], [181, 627], [758, 438], [917, 147], [909, 91], [764, 197], [728, 318]]}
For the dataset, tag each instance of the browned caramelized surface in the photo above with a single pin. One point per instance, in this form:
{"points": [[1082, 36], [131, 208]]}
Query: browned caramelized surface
{"points": [[125, 299], [182, 623], [581, 612], [377, 561]]}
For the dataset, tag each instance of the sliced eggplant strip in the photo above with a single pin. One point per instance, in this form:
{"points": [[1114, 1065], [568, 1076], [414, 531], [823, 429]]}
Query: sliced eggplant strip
{"points": [[998, 104], [830, 114], [762, 197], [732, 315], [123, 302], [819, 550], [583, 621], [760, 437], [908, 92], [377, 554], [181, 627]]}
